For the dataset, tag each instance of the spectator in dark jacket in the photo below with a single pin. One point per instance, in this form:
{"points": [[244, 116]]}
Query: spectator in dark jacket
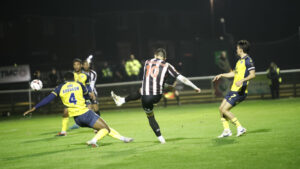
{"points": [[53, 78], [273, 73]]}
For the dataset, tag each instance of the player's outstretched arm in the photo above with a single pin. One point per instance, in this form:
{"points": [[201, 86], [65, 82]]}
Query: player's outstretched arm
{"points": [[227, 75], [29, 111], [187, 82], [45, 101]]}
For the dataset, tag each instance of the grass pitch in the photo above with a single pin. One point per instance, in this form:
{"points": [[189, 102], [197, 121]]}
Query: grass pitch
{"points": [[272, 140]]}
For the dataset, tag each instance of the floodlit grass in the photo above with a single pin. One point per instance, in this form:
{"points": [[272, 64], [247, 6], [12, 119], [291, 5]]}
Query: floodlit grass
{"points": [[272, 140]]}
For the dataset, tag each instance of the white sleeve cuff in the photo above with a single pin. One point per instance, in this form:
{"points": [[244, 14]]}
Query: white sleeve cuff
{"points": [[251, 68]]}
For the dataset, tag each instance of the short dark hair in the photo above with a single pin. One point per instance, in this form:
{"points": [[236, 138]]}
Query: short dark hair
{"points": [[245, 45], [77, 60], [161, 52], [69, 76]]}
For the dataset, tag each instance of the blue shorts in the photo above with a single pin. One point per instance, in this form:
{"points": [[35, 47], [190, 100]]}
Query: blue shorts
{"points": [[235, 98], [88, 119]]}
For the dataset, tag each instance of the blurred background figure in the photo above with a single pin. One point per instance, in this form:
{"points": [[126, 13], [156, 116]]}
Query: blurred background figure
{"points": [[170, 92], [106, 73], [53, 78], [133, 67], [223, 62], [120, 72], [179, 67], [273, 73], [37, 75]]}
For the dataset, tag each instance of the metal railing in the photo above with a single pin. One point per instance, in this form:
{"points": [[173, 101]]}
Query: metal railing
{"points": [[22, 99]]}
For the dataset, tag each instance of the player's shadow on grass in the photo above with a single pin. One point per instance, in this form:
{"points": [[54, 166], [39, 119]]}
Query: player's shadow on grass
{"points": [[42, 139], [29, 156], [258, 131], [100, 144], [182, 138], [171, 140], [82, 131], [49, 133], [223, 141]]}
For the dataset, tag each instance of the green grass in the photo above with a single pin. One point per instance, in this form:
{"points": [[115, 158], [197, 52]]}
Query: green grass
{"points": [[272, 140]]}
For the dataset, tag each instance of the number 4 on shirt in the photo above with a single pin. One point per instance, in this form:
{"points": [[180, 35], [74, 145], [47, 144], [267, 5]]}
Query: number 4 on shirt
{"points": [[72, 99]]}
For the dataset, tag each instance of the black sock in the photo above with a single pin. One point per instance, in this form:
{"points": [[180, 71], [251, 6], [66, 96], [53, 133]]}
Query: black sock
{"points": [[165, 102], [178, 101], [154, 125], [133, 96]]}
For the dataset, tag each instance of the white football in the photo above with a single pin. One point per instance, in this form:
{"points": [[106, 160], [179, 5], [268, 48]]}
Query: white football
{"points": [[36, 84]]}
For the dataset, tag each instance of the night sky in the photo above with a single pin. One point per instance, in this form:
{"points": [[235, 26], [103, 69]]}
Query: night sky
{"points": [[262, 22], [257, 20]]}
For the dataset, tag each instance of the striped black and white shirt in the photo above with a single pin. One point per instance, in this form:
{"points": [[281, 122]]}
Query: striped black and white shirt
{"points": [[155, 73], [93, 78]]}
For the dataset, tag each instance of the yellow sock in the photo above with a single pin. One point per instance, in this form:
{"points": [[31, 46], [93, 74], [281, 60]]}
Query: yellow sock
{"points": [[225, 123], [236, 122], [65, 122], [101, 133], [113, 133]]}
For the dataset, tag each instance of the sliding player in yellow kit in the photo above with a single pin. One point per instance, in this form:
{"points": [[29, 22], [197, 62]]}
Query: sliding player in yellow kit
{"points": [[73, 95], [83, 79]]}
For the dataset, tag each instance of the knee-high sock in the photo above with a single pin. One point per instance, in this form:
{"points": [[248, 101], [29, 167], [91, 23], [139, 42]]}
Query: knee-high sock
{"points": [[133, 96], [154, 125], [65, 122], [236, 122], [225, 124], [101, 133], [113, 133]]}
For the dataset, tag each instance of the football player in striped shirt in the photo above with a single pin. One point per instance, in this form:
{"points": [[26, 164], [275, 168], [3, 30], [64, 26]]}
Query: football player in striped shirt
{"points": [[243, 73], [156, 71], [92, 82]]}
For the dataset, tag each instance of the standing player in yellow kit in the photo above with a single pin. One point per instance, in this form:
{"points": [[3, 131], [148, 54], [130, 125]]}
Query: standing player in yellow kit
{"points": [[244, 71]]}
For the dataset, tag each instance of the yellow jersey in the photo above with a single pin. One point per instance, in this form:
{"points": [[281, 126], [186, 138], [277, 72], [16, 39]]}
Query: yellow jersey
{"points": [[82, 78], [243, 67], [72, 96]]}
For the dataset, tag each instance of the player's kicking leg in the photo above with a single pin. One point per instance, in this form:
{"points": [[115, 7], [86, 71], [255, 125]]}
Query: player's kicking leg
{"points": [[103, 130], [147, 102], [100, 125], [121, 100], [115, 134]]}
